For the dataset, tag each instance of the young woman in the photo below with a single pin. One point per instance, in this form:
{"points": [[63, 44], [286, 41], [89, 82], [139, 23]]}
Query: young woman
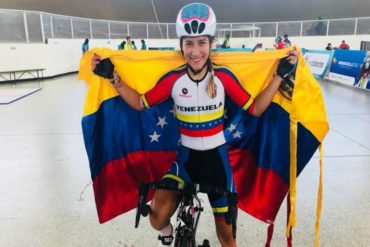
{"points": [[198, 90]]}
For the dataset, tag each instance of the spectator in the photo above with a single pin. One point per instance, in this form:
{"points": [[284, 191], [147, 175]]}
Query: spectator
{"points": [[279, 44], [286, 41], [143, 45], [121, 46], [243, 46], [344, 45], [128, 45], [328, 47], [133, 45], [85, 46], [226, 43]]}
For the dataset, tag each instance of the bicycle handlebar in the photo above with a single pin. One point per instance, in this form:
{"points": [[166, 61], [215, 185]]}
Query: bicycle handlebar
{"points": [[190, 189]]}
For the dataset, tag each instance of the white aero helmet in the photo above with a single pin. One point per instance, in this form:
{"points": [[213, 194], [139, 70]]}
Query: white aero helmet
{"points": [[196, 19]]}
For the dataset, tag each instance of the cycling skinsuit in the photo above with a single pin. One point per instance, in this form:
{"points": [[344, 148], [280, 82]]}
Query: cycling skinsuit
{"points": [[203, 155]]}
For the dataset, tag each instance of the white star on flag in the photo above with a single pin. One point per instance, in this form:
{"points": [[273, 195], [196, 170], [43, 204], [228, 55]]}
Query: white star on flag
{"points": [[232, 127], [154, 137], [162, 121], [173, 111], [225, 112], [237, 134]]}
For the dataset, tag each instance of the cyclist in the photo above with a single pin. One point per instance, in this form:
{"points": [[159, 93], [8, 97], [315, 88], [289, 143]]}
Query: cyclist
{"points": [[198, 90]]}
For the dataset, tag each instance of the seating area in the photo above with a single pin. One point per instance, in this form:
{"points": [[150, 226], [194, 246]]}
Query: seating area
{"points": [[12, 93], [16, 75]]}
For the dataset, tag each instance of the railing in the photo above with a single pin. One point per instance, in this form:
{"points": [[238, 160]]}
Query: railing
{"points": [[19, 26]]}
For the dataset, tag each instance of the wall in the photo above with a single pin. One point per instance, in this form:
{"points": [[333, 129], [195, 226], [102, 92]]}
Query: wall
{"points": [[62, 56], [308, 42], [59, 56]]}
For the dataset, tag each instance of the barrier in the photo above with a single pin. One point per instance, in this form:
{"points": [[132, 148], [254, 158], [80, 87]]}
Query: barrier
{"points": [[232, 49], [16, 75], [318, 61], [162, 48], [351, 68], [20, 26]]}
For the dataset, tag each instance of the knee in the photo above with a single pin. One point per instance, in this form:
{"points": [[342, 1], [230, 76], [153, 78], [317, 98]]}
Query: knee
{"points": [[225, 236], [226, 240], [157, 220], [163, 206]]}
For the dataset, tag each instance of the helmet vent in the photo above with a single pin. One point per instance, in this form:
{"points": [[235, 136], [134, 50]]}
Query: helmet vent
{"points": [[187, 28], [194, 26], [202, 26]]}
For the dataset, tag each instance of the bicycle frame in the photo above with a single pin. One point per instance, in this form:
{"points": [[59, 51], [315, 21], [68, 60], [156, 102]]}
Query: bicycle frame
{"points": [[189, 209], [187, 221]]}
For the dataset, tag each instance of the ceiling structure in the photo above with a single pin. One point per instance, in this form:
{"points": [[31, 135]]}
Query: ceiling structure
{"points": [[226, 10]]}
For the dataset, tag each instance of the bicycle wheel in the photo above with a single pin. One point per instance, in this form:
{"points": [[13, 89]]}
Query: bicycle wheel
{"points": [[205, 243], [184, 239], [187, 241]]}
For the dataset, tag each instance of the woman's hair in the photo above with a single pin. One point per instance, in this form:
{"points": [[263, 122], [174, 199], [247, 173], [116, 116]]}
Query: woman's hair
{"points": [[211, 87]]}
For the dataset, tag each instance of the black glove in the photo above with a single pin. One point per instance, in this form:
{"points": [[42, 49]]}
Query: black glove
{"points": [[105, 69], [285, 69]]}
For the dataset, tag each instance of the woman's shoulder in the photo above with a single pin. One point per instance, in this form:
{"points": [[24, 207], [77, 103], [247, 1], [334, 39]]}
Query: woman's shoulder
{"points": [[221, 68], [177, 72]]}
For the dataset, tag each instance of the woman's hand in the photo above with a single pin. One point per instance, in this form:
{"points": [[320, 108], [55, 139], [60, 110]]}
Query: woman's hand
{"points": [[292, 57], [95, 61], [287, 65]]}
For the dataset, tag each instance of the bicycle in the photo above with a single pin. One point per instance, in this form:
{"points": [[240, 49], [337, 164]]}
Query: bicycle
{"points": [[189, 210]]}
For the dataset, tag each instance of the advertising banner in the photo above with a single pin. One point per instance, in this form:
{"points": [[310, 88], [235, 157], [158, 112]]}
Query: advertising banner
{"points": [[351, 68], [318, 61]]}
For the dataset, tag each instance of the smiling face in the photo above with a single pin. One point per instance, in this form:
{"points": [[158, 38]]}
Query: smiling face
{"points": [[196, 51]]}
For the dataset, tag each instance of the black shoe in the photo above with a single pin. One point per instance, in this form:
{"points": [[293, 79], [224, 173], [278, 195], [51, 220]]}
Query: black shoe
{"points": [[165, 240]]}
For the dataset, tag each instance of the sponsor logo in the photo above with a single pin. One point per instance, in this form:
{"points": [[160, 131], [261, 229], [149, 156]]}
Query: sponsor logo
{"points": [[184, 93], [316, 64], [198, 108], [348, 64]]}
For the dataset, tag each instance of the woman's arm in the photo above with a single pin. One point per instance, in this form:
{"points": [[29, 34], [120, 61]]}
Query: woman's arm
{"points": [[263, 100], [129, 95]]}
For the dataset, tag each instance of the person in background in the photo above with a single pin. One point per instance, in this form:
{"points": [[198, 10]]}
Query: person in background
{"points": [[133, 45], [85, 46], [286, 41], [344, 45], [121, 46], [226, 43], [128, 45], [143, 45], [279, 44], [329, 47]]}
